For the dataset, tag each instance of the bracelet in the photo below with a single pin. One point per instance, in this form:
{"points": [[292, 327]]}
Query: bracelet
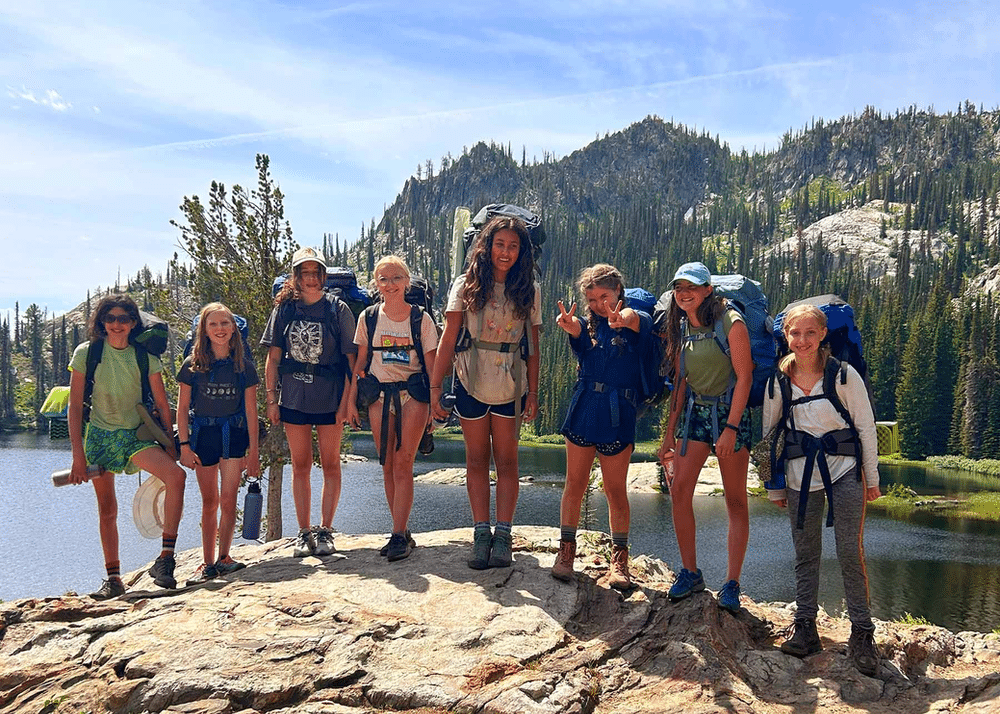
{"points": [[731, 426], [535, 393], [272, 390], [184, 443], [437, 387], [269, 402]]}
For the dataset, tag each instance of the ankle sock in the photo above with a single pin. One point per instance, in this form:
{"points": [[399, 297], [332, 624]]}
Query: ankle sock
{"points": [[567, 533], [114, 570], [620, 539], [482, 526], [169, 541], [503, 526]]}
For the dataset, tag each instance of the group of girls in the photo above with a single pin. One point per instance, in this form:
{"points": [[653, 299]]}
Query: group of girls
{"points": [[325, 370]]}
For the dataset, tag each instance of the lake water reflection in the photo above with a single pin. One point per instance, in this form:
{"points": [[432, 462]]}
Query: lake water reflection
{"points": [[949, 576]]}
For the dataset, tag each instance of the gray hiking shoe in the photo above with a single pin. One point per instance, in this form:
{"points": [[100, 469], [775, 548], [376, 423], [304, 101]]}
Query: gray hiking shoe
{"points": [[384, 550], [804, 641], [324, 541], [862, 650], [399, 547], [304, 544], [480, 559], [112, 587], [162, 572], [226, 565], [501, 550]]}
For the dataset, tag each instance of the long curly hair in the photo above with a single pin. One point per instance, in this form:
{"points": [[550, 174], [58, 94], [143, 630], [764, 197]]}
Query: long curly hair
{"points": [[292, 288], [711, 309], [600, 275], [106, 305], [519, 287], [202, 355]]}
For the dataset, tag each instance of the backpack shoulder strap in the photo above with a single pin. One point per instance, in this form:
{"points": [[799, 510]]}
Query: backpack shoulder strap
{"points": [[371, 321], [94, 353], [142, 358], [835, 367], [416, 328]]}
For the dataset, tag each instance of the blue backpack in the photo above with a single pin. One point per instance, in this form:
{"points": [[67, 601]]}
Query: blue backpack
{"points": [[241, 325], [654, 382]]}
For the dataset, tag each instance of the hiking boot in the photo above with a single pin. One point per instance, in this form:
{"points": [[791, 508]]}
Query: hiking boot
{"points": [[862, 650], [162, 572], [112, 587], [563, 568], [618, 576], [384, 550], [304, 544], [480, 559], [729, 596], [399, 547], [204, 573], [804, 641], [501, 550], [686, 584], [324, 541], [226, 565]]}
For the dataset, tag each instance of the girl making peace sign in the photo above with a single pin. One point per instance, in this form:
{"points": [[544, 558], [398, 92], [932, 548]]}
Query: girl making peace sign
{"points": [[608, 341]]}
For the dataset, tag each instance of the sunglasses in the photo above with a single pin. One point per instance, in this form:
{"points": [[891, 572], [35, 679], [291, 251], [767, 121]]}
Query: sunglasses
{"points": [[395, 280], [110, 319]]}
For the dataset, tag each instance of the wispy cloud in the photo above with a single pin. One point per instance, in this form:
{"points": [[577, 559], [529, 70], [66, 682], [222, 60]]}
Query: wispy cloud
{"points": [[50, 98]]}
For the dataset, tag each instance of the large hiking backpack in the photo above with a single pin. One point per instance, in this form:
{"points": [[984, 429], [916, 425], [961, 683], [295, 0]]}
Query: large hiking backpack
{"points": [[536, 232], [746, 297], [843, 335], [340, 281], [651, 362], [151, 339]]}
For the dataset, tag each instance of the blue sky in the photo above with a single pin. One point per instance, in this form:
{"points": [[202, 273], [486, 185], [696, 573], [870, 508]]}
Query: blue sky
{"points": [[112, 111]]}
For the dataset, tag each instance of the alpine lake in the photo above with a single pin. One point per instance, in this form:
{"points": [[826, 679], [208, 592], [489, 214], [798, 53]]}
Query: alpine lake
{"points": [[921, 564]]}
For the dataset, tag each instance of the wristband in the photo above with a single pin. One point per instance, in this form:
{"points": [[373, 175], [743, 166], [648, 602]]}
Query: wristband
{"points": [[437, 387], [731, 426], [184, 443]]}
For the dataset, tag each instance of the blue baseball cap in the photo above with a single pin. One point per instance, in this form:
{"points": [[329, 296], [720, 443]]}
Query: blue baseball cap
{"points": [[695, 273]]}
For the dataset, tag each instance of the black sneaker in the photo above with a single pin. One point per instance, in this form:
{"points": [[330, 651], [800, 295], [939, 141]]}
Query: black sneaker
{"points": [[399, 547], [112, 587], [162, 572], [384, 550], [481, 541], [205, 572]]}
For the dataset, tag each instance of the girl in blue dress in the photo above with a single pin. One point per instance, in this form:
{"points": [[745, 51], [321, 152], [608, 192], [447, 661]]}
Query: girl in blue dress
{"points": [[608, 340]]}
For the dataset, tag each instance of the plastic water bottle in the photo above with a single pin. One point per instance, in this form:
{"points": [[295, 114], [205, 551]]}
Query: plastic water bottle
{"points": [[253, 506]]}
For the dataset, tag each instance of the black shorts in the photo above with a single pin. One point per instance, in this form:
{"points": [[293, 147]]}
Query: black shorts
{"points": [[611, 449], [294, 416], [209, 446], [468, 407]]}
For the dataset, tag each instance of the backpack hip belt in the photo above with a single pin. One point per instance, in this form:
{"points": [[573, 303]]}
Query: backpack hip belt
{"points": [[237, 419], [798, 444], [614, 392], [322, 370]]}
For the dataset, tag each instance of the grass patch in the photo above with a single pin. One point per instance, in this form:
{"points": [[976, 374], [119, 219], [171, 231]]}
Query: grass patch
{"points": [[910, 619], [988, 467]]}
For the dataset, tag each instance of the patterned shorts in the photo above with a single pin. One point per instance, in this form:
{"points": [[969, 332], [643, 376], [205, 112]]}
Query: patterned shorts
{"points": [[700, 427], [114, 449], [609, 449]]}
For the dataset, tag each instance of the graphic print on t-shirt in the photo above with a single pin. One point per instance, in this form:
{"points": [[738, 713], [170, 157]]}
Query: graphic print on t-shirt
{"points": [[305, 341], [402, 356]]}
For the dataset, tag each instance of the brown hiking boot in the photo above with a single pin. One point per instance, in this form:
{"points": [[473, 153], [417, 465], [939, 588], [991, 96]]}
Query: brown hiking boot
{"points": [[563, 568], [618, 576], [862, 650]]}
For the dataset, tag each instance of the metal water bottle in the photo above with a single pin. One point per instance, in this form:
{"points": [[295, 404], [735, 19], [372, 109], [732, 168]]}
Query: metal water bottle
{"points": [[253, 506], [61, 477]]}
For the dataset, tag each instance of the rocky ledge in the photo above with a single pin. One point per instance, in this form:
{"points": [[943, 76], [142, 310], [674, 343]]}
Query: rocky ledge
{"points": [[352, 633]]}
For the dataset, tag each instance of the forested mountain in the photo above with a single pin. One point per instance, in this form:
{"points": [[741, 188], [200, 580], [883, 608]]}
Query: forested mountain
{"points": [[893, 212]]}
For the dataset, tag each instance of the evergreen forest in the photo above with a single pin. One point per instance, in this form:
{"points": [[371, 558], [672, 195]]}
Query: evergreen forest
{"points": [[647, 199]]}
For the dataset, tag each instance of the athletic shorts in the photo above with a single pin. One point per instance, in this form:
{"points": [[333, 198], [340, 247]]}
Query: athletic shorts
{"points": [[294, 416], [114, 449], [209, 448], [468, 407], [611, 449], [700, 428]]}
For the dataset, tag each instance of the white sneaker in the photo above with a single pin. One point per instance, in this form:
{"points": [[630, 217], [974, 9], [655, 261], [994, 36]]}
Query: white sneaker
{"points": [[324, 541], [304, 544]]}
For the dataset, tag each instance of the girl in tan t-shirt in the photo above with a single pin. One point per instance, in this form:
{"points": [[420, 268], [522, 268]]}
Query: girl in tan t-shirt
{"points": [[494, 387]]}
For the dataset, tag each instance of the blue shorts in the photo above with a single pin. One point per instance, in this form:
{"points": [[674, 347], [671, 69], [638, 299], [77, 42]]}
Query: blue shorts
{"points": [[468, 407]]}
